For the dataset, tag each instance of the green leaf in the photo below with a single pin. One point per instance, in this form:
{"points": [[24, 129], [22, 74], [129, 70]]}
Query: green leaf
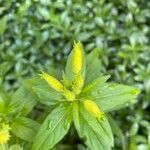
{"points": [[75, 112], [23, 100], [4, 100], [93, 65], [2, 104], [54, 128], [25, 128], [3, 146], [16, 147], [95, 84], [117, 131], [3, 25], [45, 93], [4, 67], [23, 8], [97, 133], [68, 69], [112, 96]]}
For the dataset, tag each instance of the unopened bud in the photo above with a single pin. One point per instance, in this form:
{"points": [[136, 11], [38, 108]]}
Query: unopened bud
{"points": [[53, 82], [92, 107], [77, 58]]}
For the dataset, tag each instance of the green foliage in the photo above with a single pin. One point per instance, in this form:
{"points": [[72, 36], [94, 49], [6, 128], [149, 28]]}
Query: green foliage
{"points": [[36, 35], [24, 128], [96, 131], [12, 113], [54, 128], [13, 147]]}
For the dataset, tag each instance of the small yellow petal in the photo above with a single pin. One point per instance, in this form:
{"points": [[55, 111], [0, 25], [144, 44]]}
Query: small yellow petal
{"points": [[53, 82], [77, 58], [92, 107], [4, 133]]}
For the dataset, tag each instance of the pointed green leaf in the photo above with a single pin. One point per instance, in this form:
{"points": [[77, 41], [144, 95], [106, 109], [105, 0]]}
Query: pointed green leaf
{"points": [[112, 96], [5, 96], [54, 128], [117, 131], [46, 94], [97, 133], [68, 69], [25, 128], [4, 68], [2, 104], [95, 84], [92, 67], [23, 100], [4, 100], [75, 112], [3, 25]]}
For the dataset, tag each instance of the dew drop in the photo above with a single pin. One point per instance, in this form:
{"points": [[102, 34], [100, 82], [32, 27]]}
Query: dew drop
{"points": [[50, 124]]}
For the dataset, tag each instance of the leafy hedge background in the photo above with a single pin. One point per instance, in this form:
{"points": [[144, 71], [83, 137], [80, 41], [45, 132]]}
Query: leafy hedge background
{"points": [[35, 34]]}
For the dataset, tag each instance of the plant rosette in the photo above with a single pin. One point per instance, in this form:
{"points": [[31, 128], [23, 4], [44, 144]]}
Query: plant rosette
{"points": [[82, 96]]}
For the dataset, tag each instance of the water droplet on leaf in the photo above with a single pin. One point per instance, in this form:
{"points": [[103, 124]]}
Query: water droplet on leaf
{"points": [[50, 124]]}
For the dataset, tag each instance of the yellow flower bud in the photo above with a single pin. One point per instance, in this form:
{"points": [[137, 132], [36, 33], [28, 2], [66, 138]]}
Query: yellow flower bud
{"points": [[53, 82], [78, 83], [69, 95], [77, 58], [92, 107], [4, 133]]}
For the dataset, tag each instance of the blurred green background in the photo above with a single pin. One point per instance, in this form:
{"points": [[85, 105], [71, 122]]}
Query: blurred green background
{"points": [[35, 34]]}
